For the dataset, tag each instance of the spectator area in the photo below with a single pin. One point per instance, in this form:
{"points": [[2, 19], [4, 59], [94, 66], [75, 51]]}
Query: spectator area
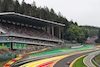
{"points": [[18, 28]]}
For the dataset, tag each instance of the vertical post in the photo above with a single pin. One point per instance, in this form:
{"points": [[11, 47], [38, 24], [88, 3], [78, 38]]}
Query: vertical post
{"points": [[59, 32], [11, 46], [52, 31], [48, 30], [44, 29]]}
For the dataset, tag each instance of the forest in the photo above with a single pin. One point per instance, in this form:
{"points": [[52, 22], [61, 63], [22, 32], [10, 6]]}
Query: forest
{"points": [[71, 31]]}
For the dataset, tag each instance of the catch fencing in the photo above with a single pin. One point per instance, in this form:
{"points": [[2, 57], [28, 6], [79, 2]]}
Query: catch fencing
{"points": [[9, 56]]}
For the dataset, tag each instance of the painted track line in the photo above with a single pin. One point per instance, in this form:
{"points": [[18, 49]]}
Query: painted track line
{"points": [[39, 62], [52, 65], [76, 60], [33, 64], [87, 60], [46, 64]]}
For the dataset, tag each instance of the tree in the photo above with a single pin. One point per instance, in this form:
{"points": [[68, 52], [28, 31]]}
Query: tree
{"points": [[33, 4], [71, 22], [0, 6], [98, 40], [74, 33], [8, 5], [59, 14], [71, 31], [76, 23], [17, 6], [91, 30], [23, 7], [99, 34], [34, 9]]}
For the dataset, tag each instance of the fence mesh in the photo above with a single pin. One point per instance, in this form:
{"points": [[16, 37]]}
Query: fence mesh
{"points": [[9, 56]]}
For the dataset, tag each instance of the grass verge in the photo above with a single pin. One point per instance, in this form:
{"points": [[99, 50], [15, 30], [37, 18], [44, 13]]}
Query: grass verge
{"points": [[59, 50], [3, 63], [79, 63], [94, 63], [51, 49], [98, 59]]}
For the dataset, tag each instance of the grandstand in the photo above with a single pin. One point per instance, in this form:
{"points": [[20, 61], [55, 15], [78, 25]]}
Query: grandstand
{"points": [[18, 31]]}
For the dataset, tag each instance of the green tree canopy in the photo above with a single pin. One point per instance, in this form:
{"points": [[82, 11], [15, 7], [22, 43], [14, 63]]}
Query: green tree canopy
{"points": [[74, 33], [7, 5], [98, 40], [71, 31], [17, 7]]}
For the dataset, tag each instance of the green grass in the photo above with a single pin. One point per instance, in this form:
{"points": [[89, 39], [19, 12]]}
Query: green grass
{"points": [[61, 50], [98, 59], [94, 63], [93, 52], [3, 63], [79, 63], [48, 50]]}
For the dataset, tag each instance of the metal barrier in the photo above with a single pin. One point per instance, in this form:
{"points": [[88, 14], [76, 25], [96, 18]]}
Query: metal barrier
{"points": [[95, 61], [77, 46]]}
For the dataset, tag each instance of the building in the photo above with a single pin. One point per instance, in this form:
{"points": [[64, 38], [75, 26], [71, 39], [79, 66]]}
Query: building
{"points": [[91, 40], [18, 31]]}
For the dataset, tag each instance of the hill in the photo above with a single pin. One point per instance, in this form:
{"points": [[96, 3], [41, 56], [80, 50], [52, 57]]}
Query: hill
{"points": [[71, 31], [91, 30]]}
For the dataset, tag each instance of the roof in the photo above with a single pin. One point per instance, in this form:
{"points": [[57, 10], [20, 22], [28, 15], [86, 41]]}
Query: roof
{"points": [[24, 19]]}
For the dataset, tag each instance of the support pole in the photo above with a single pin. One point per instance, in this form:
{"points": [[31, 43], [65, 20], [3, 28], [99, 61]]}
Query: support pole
{"points": [[59, 33], [52, 31], [44, 28], [48, 30]]}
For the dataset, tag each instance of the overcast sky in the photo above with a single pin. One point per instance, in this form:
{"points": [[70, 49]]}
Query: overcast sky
{"points": [[84, 12]]}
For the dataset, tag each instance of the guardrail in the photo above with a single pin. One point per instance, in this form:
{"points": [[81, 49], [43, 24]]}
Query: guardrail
{"points": [[76, 47]]}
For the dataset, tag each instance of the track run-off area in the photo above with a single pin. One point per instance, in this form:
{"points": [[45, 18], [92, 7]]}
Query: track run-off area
{"points": [[57, 58]]}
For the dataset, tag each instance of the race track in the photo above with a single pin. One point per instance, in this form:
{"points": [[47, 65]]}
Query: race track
{"points": [[42, 59]]}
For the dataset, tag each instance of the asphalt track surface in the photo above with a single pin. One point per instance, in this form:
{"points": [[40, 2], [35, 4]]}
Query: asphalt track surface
{"points": [[35, 58], [87, 60], [62, 62]]}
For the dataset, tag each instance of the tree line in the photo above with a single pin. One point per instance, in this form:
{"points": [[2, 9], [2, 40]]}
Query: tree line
{"points": [[98, 40], [91, 30], [71, 31]]}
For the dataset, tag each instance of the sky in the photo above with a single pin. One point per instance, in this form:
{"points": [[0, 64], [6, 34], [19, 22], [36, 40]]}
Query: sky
{"points": [[84, 12]]}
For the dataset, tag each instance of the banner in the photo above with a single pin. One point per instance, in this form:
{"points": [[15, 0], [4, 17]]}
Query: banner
{"points": [[4, 45], [19, 46]]}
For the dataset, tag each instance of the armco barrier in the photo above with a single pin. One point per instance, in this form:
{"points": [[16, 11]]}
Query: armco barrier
{"points": [[77, 46], [95, 61]]}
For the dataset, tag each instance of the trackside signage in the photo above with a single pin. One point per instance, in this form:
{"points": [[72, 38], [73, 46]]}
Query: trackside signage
{"points": [[4, 45], [19, 46]]}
